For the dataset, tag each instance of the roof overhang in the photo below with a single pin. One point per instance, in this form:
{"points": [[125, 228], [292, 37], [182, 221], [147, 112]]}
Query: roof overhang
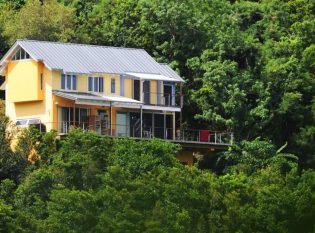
{"points": [[161, 108], [7, 57], [146, 76], [99, 100]]}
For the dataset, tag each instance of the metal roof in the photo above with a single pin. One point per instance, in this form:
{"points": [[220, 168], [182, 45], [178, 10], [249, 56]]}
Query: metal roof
{"points": [[145, 76], [169, 72], [87, 59], [100, 100]]}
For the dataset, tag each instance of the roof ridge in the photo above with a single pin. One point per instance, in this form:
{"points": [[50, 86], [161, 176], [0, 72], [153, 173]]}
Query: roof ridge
{"points": [[88, 45]]}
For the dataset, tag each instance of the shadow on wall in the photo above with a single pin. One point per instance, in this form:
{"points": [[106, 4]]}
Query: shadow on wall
{"points": [[2, 92]]}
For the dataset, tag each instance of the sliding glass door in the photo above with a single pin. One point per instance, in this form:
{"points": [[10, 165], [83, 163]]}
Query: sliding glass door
{"points": [[67, 117], [122, 124]]}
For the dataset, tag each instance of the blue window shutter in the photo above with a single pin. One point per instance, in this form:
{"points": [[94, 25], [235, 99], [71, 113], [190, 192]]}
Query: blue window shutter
{"points": [[74, 82], [90, 83], [158, 92], [122, 86], [63, 81]]}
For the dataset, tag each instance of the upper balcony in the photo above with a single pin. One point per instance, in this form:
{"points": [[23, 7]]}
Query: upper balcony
{"points": [[162, 99]]}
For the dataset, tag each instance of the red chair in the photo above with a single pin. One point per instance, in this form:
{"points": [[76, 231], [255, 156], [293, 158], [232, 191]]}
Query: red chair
{"points": [[204, 135]]}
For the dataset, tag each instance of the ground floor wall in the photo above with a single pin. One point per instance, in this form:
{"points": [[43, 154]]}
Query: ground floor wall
{"points": [[203, 154]]}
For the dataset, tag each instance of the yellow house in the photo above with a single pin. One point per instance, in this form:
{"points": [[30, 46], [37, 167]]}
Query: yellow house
{"points": [[115, 91], [119, 92]]}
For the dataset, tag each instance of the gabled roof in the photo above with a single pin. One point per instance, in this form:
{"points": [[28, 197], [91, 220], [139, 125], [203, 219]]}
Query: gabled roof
{"points": [[87, 59]]}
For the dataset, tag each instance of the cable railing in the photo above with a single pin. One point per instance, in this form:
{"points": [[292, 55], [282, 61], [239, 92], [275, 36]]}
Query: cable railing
{"points": [[147, 132]]}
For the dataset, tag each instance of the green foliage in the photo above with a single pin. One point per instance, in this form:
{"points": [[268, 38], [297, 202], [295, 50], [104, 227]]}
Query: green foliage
{"points": [[97, 184], [7, 222], [143, 156], [41, 20], [71, 211]]}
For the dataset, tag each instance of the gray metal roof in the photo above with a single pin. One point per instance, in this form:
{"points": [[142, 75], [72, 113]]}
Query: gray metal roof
{"points": [[169, 72], [86, 59]]}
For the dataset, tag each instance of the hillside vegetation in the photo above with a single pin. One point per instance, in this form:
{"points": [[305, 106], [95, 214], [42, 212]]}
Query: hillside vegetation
{"points": [[88, 183], [249, 67]]}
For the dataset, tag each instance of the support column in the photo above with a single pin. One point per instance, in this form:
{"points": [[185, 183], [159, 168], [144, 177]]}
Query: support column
{"points": [[74, 114], [141, 91], [181, 109], [165, 131], [141, 126], [110, 119], [153, 124]]}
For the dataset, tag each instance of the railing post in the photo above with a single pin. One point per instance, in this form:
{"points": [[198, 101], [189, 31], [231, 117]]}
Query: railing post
{"points": [[141, 122], [215, 137], [220, 138], [232, 138]]}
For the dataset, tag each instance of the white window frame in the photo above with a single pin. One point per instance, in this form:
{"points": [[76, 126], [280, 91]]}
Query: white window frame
{"points": [[71, 82], [27, 122], [20, 53], [93, 81]]}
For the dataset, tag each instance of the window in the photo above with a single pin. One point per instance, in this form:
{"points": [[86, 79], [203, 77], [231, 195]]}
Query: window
{"points": [[68, 82], [21, 54], [82, 115], [26, 122], [41, 81], [96, 84], [113, 85]]}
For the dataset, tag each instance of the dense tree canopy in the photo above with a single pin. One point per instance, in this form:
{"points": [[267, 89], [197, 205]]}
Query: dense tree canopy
{"points": [[94, 184]]}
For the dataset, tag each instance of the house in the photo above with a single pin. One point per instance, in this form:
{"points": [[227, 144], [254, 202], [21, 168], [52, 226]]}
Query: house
{"points": [[119, 92]]}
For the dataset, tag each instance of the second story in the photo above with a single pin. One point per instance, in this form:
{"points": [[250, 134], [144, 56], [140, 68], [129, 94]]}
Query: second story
{"points": [[35, 69]]}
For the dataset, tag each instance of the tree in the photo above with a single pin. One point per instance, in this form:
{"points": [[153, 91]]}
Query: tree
{"points": [[47, 20]]}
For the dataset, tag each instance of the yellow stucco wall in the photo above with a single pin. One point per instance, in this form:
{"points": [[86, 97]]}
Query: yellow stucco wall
{"points": [[82, 82], [82, 85], [30, 109], [186, 157], [128, 88], [153, 90], [23, 80]]}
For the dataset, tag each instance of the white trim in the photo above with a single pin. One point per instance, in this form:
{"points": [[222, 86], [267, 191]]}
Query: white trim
{"points": [[146, 76], [4, 61], [126, 105], [161, 108], [99, 103]]}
